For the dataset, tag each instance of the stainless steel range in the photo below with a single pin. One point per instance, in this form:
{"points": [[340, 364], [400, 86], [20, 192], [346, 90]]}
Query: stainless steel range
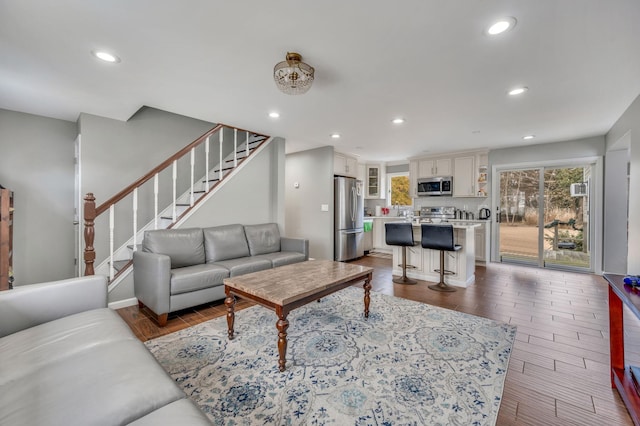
{"points": [[437, 214]]}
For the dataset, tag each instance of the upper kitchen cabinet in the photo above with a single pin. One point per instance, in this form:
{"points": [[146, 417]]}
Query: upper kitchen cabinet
{"points": [[468, 169], [375, 181], [344, 165], [434, 167], [464, 176]]}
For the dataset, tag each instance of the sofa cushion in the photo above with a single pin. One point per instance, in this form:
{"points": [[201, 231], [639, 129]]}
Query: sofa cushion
{"points": [[245, 265], [282, 258], [263, 238], [197, 277], [185, 247], [101, 381], [58, 338], [225, 242]]}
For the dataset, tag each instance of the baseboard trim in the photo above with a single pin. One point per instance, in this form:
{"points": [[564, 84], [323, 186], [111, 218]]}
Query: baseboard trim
{"points": [[123, 303]]}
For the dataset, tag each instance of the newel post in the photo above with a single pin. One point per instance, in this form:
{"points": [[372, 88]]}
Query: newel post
{"points": [[89, 233]]}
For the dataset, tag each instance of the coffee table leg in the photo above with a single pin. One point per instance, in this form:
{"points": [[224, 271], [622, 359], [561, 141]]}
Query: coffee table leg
{"points": [[230, 301], [367, 297], [282, 325]]}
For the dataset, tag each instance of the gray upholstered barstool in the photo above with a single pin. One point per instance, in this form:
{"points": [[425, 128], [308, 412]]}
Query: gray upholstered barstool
{"points": [[400, 234], [439, 237]]}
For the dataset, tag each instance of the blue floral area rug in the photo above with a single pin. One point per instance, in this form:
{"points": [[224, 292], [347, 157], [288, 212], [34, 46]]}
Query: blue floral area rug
{"points": [[408, 364]]}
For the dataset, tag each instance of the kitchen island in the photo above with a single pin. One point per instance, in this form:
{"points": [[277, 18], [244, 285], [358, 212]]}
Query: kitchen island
{"points": [[422, 263]]}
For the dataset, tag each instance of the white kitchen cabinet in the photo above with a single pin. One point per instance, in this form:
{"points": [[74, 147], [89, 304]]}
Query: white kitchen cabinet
{"points": [[415, 258], [413, 178], [464, 176], [451, 262], [375, 181], [344, 165], [434, 167], [483, 242], [379, 234]]}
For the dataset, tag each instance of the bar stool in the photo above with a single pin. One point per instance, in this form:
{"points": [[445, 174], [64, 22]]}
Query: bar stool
{"points": [[439, 237], [400, 234]]}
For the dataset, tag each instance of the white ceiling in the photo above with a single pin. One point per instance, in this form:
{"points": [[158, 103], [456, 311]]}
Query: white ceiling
{"points": [[425, 60]]}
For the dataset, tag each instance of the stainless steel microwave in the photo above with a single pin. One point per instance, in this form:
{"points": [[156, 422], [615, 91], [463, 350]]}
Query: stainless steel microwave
{"points": [[437, 185]]}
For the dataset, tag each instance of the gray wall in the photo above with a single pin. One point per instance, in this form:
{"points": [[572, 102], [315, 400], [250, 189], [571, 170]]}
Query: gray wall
{"points": [[567, 150], [313, 171], [131, 148], [615, 212], [628, 126], [36, 162], [117, 153], [253, 196]]}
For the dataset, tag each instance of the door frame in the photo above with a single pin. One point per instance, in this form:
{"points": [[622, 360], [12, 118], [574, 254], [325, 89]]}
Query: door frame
{"points": [[596, 200]]}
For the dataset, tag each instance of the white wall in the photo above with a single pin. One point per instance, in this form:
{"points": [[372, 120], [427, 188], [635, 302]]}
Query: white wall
{"points": [[36, 162], [628, 126], [313, 171]]}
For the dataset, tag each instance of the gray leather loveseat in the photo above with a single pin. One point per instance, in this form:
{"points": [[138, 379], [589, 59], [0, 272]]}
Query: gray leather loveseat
{"points": [[67, 359], [181, 268]]}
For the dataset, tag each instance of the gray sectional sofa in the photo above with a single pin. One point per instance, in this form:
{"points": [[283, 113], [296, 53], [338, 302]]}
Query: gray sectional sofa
{"points": [[181, 268], [67, 359]]}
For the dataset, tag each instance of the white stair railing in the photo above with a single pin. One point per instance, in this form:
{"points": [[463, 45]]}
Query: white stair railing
{"points": [[196, 190]]}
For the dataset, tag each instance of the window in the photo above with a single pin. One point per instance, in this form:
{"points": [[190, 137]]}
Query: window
{"points": [[398, 189]]}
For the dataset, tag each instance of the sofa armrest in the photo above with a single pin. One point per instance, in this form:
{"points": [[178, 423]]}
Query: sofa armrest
{"points": [[152, 280], [295, 244], [29, 305]]}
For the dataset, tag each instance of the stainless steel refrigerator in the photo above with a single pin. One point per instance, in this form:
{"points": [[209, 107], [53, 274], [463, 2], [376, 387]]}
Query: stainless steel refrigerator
{"points": [[348, 218]]}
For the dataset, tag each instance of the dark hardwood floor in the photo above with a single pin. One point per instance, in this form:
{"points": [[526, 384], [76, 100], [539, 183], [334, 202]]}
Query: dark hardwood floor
{"points": [[559, 368]]}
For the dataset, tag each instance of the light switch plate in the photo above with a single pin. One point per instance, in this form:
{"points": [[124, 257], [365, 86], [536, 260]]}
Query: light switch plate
{"points": [[324, 207]]}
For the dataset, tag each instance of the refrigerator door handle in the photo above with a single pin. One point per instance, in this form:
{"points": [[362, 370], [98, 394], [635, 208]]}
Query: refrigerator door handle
{"points": [[354, 203], [352, 232]]}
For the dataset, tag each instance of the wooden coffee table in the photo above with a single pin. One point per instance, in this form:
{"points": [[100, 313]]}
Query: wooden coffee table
{"points": [[288, 287]]}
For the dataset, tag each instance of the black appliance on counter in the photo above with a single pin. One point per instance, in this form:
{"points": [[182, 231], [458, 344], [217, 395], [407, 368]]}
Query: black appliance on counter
{"points": [[484, 213]]}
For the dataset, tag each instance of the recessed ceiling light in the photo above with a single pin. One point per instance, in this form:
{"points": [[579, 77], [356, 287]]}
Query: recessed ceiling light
{"points": [[274, 115], [528, 137], [518, 90], [397, 120], [335, 135], [501, 25], [105, 56]]}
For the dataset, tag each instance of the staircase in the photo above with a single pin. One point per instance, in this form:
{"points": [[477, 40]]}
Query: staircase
{"points": [[214, 158]]}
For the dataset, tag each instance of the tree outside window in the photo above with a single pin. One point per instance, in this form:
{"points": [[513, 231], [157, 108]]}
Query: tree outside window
{"points": [[399, 190]]}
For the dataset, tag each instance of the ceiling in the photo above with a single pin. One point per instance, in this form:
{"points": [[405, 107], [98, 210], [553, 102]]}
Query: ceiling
{"points": [[428, 61]]}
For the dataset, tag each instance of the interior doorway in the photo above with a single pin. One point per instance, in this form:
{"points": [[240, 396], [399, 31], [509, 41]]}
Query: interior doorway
{"points": [[543, 217]]}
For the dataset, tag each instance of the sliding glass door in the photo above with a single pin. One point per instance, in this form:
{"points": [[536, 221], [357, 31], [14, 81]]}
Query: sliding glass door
{"points": [[544, 217]]}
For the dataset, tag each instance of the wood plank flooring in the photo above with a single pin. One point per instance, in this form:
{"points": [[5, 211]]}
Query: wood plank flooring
{"points": [[559, 368]]}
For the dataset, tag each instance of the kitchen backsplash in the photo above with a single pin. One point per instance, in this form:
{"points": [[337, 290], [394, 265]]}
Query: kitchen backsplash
{"points": [[468, 204]]}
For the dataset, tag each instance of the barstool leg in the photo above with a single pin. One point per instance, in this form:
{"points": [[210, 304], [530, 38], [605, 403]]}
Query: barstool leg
{"points": [[441, 286], [404, 279]]}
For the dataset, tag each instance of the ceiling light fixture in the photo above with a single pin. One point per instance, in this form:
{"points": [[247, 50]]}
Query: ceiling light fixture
{"points": [[105, 56], [274, 115], [293, 76], [517, 91], [502, 25], [335, 135], [528, 137], [398, 120]]}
